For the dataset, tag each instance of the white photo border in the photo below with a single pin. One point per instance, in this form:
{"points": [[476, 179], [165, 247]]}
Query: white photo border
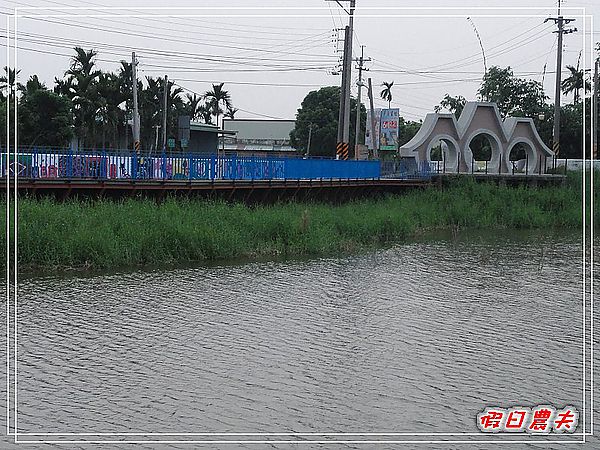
{"points": [[15, 433]]}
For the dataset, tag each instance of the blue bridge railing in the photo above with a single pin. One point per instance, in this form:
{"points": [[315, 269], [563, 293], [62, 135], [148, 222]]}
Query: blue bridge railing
{"points": [[45, 163], [111, 165]]}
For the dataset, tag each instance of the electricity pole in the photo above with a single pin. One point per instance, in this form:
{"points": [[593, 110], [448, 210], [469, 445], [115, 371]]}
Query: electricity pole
{"points": [[360, 68], [348, 74], [310, 128], [136, 115], [343, 141], [560, 22], [164, 125], [342, 111], [156, 127], [595, 111]]}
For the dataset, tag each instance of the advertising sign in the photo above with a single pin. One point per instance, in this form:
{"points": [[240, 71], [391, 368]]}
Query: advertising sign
{"points": [[388, 135], [368, 141]]}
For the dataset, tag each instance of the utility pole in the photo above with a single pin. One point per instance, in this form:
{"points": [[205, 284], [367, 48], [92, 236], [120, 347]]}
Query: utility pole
{"points": [[164, 125], [156, 127], [136, 114], [560, 22], [310, 127], [595, 111], [373, 137], [360, 68], [348, 75], [343, 141], [341, 114]]}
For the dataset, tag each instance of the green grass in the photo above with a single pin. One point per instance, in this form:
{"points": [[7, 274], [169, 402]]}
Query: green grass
{"points": [[106, 234]]}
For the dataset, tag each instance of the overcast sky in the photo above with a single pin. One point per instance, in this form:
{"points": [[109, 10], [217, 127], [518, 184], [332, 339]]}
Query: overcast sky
{"points": [[271, 60]]}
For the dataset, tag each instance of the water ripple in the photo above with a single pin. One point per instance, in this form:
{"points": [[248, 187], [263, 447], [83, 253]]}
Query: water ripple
{"points": [[419, 337]]}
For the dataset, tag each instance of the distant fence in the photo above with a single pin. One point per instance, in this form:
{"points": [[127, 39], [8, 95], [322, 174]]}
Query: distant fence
{"points": [[105, 165], [577, 164], [406, 168], [517, 167]]}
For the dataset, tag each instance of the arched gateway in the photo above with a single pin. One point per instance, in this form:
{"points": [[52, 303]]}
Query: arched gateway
{"points": [[478, 119]]}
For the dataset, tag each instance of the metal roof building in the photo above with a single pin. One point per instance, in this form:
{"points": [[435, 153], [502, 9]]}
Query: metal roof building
{"points": [[258, 136]]}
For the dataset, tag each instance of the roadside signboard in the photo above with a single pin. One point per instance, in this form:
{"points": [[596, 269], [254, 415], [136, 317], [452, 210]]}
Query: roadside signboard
{"points": [[171, 142], [388, 136], [368, 141], [184, 142]]}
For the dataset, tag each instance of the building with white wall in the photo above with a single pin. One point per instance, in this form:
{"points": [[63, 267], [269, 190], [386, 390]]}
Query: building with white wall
{"points": [[258, 136]]}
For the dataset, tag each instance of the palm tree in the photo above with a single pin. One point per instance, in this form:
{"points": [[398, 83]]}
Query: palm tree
{"points": [[82, 92], [216, 97], [7, 81], [175, 100], [150, 102], [125, 83], [63, 87], [191, 107], [206, 112], [175, 107], [386, 92], [32, 85], [110, 98], [230, 113], [125, 75], [215, 109], [151, 107], [574, 83]]}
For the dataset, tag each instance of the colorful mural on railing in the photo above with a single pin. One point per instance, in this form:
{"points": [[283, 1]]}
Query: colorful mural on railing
{"points": [[48, 164]]}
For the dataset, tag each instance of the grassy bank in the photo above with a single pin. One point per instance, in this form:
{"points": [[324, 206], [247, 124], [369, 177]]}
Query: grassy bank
{"points": [[105, 234]]}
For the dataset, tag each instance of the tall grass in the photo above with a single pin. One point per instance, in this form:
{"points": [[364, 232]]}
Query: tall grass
{"points": [[107, 234]]}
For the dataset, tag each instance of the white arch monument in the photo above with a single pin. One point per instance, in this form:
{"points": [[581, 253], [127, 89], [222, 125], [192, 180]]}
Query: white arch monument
{"points": [[476, 119]]}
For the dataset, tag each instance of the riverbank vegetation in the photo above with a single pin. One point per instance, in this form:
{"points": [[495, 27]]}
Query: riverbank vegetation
{"points": [[136, 232]]}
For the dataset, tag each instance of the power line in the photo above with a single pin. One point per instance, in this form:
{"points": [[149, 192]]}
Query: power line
{"points": [[48, 40], [59, 41], [547, 58], [241, 109], [260, 29], [318, 68], [472, 59], [249, 83], [166, 38], [187, 69]]}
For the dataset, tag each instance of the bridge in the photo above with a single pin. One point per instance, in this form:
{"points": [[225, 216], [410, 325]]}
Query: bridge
{"points": [[63, 174]]}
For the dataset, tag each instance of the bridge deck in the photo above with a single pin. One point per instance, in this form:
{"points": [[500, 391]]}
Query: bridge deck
{"points": [[253, 190]]}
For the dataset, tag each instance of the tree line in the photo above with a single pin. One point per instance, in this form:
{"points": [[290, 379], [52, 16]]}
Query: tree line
{"points": [[95, 106], [517, 97]]}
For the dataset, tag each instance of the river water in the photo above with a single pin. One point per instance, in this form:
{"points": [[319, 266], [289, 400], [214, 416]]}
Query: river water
{"points": [[417, 338]]}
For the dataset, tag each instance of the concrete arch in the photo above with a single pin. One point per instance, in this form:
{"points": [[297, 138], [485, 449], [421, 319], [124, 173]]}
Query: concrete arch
{"points": [[497, 157], [450, 154], [532, 156], [477, 118]]}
